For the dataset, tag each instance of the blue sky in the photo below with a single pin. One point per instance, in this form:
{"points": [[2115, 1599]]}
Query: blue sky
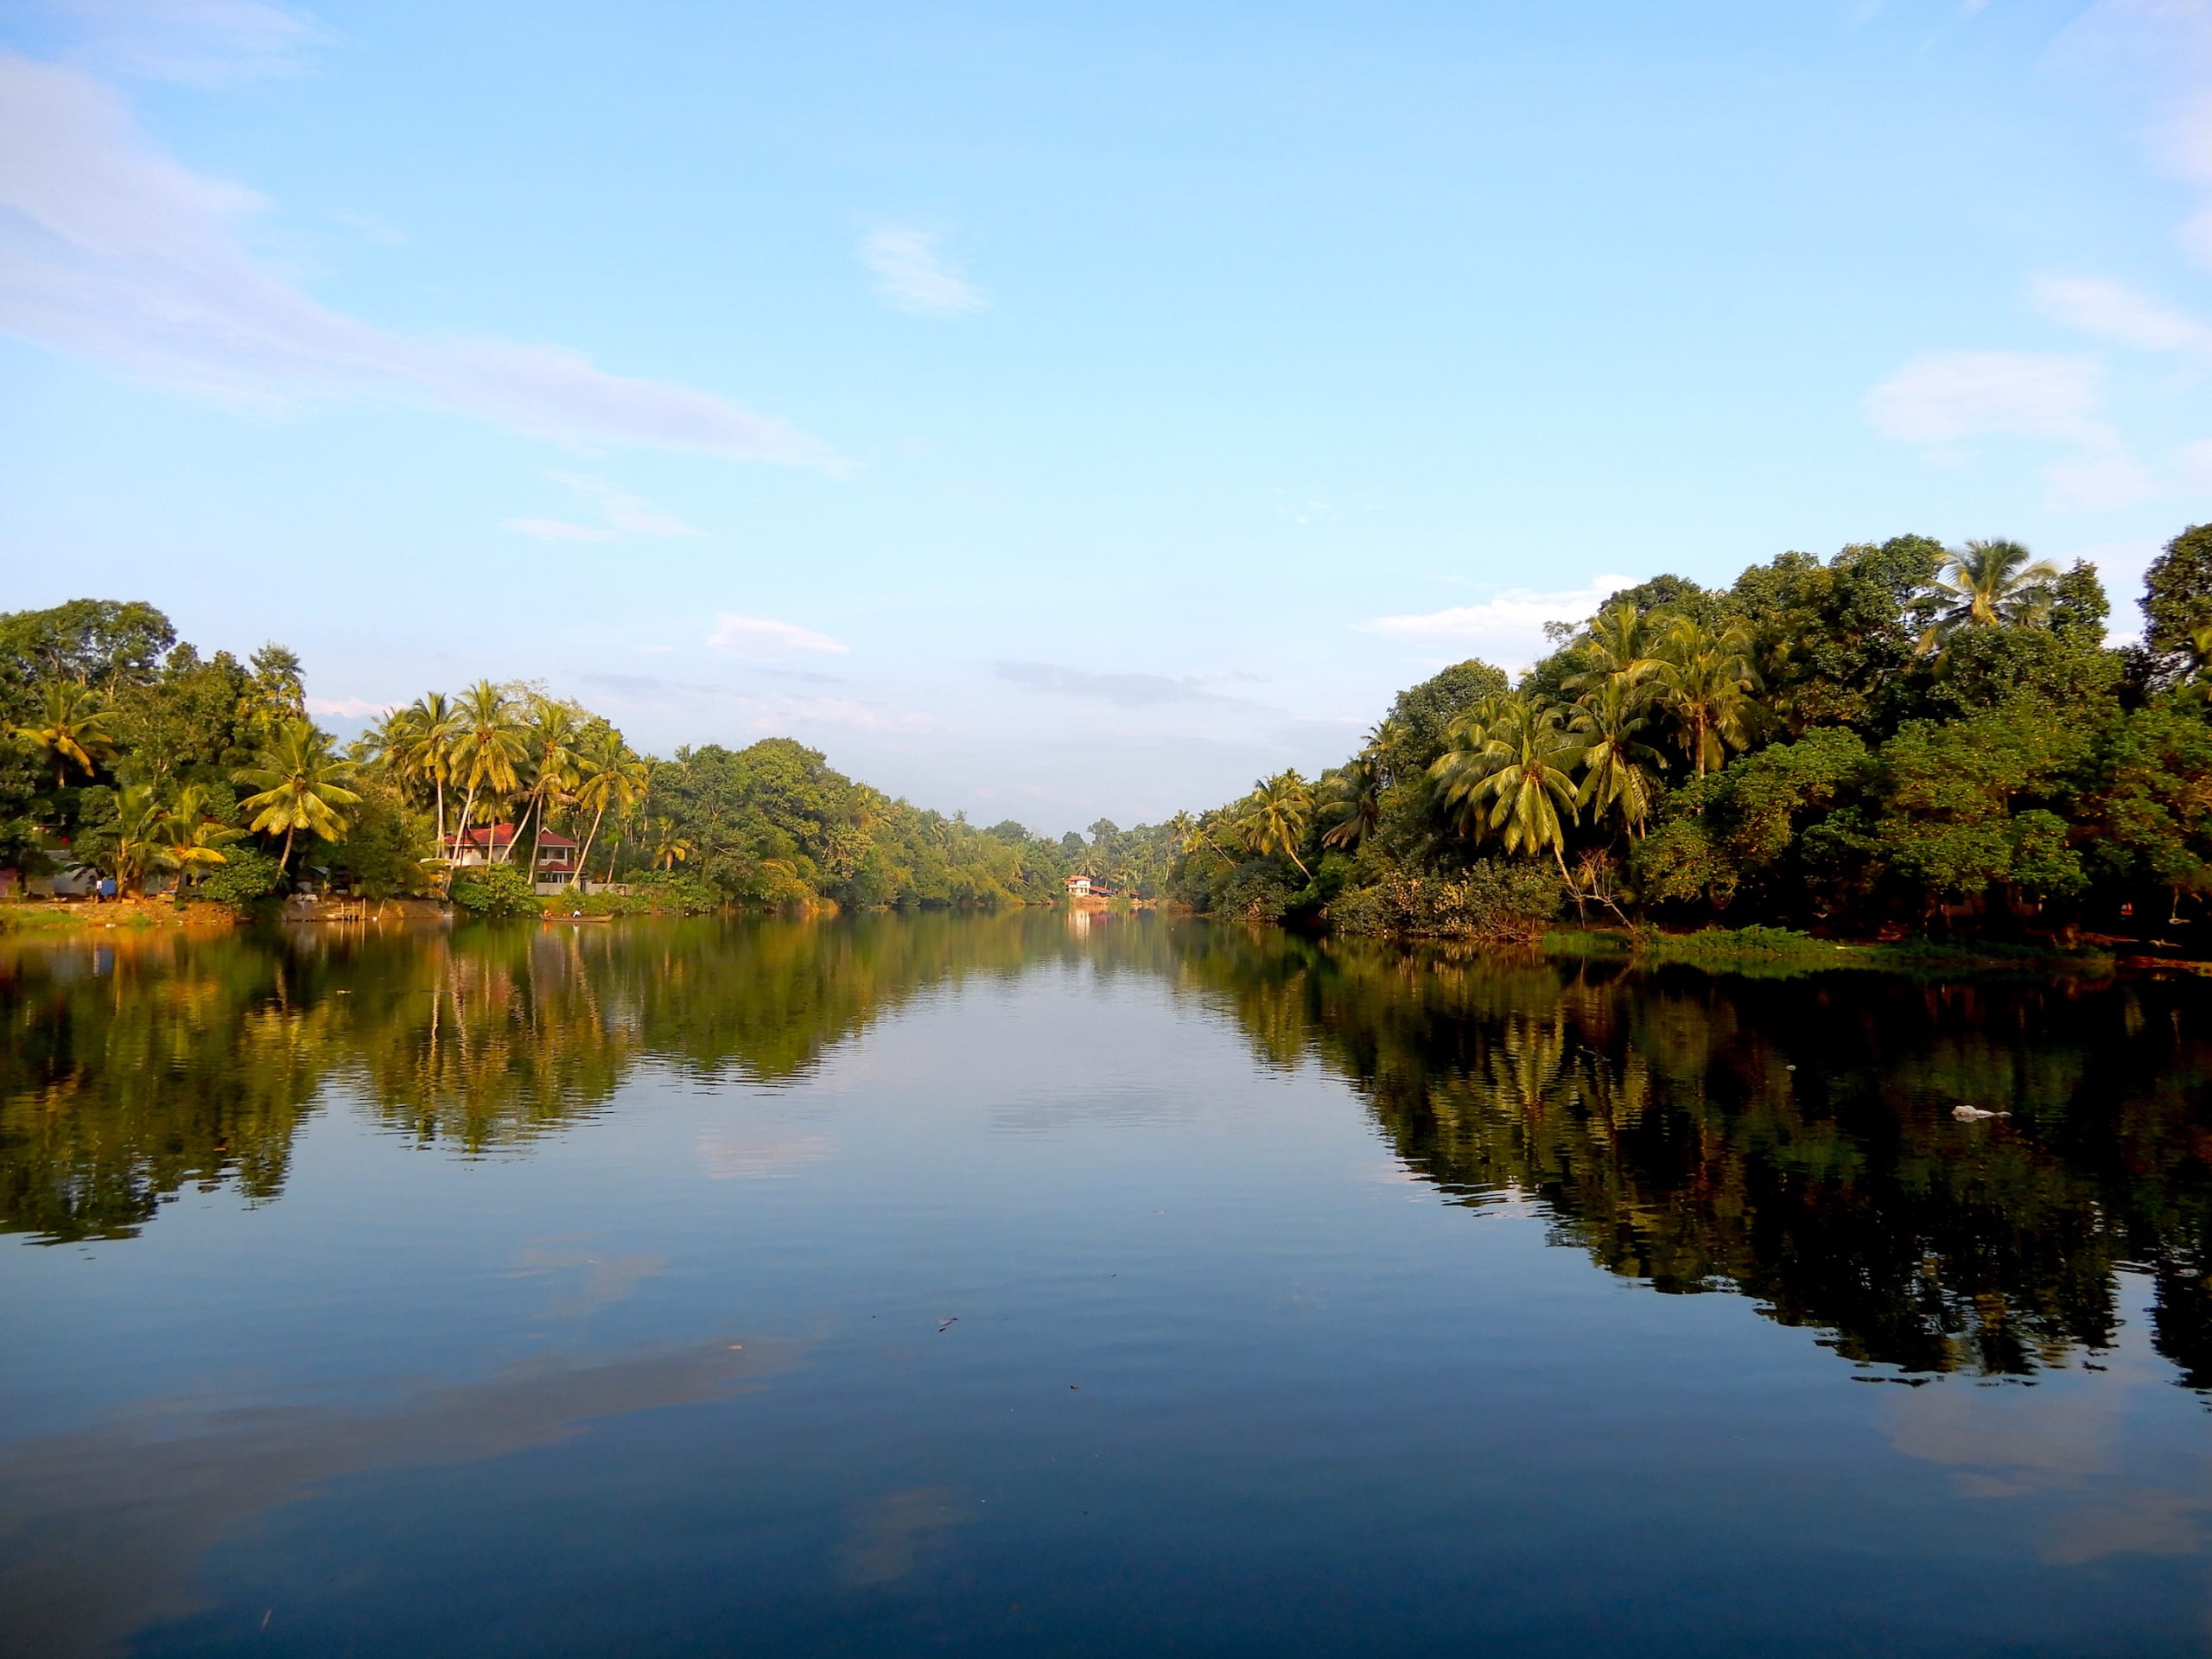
{"points": [[1055, 411]]}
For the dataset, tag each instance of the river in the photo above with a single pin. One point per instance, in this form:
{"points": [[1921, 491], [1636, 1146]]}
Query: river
{"points": [[1091, 1285]]}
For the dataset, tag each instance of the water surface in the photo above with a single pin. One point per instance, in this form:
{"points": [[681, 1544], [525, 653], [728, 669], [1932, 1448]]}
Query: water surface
{"points": [[1030, 1284]]}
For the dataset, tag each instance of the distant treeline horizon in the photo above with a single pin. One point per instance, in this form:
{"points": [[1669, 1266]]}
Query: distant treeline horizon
{"points": [[1899, 735]]}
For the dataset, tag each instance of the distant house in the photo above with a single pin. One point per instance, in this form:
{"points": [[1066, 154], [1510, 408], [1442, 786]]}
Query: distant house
{"points": [[495, 843], [1086, 887]]}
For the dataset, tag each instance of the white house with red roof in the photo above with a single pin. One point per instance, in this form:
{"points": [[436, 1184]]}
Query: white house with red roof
{"points": [[495, 843]]}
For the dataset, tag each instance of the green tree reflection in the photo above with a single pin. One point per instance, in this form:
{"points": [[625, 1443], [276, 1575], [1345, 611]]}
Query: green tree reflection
{"points": [[1790, 1139], [1793, 1140]]}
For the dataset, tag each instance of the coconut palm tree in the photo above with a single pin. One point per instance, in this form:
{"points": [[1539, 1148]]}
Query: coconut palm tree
{"points": [[1275, 816], [432, 728], [487, 747], [608, 775], [70, 728], [1351, 801], [549, 764], [1988, 582], [1621, 643], [1705, 683], [1190, 833], [1506, 771], [301, 784], [127, 847], [669, 848], [387, 748], [190, 836], [1619, 769]]}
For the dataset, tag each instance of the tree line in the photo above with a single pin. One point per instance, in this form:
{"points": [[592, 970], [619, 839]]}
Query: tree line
{"points": [[1899, 736], [133, 756]]}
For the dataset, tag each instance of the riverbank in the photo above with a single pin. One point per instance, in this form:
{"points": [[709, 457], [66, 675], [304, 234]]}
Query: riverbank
{"points": [[77, 916], [1760, 949]]}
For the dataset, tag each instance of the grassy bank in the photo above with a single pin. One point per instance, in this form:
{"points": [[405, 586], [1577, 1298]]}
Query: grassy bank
{"points": [[45, 916], [1784, 951]]}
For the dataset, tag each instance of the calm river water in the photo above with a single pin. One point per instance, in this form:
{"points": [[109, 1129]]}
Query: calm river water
{"points": [[1007, 1285]]}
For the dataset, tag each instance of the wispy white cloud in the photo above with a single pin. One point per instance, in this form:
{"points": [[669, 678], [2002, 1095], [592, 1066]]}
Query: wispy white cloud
{"points": [[1124, 690], [754, 636], [1949, 397], [372, 229], [114, 251], [2160, 51], [1511, 625], [346, 708], [782, 712], [632, 515], [619, 513], [2112, 312], [848, 711], [912, 275], [559, 530], [195, 42], [2101, 482]]}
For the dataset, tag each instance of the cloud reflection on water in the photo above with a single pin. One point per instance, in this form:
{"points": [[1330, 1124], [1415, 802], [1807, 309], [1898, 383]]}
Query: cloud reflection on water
{"points": [[109, 1524]]}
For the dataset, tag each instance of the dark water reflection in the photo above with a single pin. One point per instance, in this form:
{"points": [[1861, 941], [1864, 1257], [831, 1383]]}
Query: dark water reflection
{"points": [[1793, 1138], [631, 1287]]}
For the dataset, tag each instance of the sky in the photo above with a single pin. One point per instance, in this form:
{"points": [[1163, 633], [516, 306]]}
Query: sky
{"points": [[1052, 412]]}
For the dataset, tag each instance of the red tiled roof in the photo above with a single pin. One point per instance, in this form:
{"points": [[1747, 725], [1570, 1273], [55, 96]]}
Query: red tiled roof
{"points": [[497, 835]]}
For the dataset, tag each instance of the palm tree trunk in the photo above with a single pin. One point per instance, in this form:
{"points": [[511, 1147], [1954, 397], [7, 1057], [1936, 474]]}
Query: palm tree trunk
{"points": [[284, 860], [529, 801], [460, 836], [576, 875]]}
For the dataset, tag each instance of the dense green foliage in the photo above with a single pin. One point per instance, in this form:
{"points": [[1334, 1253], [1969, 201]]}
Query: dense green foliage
{"points": [[247, 877], [131, 755], [1899, 737], [500, 890], [128, 751], [1895, 738], [774, 824]]}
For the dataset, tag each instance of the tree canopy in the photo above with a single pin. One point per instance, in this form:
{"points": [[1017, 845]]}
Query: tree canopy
{"points": [[1897, 736]]}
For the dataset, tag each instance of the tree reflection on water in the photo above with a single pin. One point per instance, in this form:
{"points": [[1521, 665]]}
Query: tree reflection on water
{"points": [[1791, 1138]]}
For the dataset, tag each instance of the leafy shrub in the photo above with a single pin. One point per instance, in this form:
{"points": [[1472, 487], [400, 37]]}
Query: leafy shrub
{"points": [[664, 895], [666, 892], [244, 877], [386, 846], [1754, 941], [1257, 893], [1492, 902], [594, 903], [1677, 862], [497, 890]]}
